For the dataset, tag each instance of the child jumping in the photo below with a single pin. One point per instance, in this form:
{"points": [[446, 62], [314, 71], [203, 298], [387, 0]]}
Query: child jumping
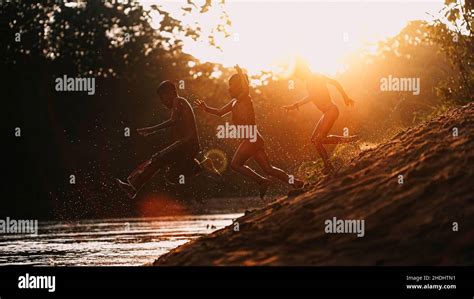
{"points": [[243, 114], [181, 154], [318, 93]]}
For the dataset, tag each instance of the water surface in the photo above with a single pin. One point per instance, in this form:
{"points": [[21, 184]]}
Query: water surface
{"points": [[110, 242]]}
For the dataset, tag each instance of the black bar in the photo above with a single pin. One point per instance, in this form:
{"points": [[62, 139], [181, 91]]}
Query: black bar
{"points": [[243, 282]]}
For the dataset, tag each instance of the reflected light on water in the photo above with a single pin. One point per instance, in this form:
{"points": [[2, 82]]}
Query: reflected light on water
{"points": [[110, 242]]}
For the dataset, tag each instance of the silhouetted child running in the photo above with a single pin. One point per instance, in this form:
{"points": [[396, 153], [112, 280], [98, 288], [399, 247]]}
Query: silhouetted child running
{"points": [[318, 93], [181, 155], [243, 114]]}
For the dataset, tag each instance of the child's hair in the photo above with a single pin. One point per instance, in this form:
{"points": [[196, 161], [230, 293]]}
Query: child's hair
{"points": [[236, 78], [301, 68], [166, 87]]}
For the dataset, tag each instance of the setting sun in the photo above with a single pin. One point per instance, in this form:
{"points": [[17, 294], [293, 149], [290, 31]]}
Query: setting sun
{"points": [[264, 37]]}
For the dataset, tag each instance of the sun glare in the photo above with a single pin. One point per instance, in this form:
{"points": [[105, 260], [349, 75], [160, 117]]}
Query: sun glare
{"points": [[267, 34]]}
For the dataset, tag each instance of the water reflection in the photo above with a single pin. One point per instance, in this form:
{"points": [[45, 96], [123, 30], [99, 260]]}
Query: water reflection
{"points": [[109, 242]]}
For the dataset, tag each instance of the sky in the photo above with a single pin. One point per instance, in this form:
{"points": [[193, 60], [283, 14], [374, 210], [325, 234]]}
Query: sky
{"points": [[266, 34]]}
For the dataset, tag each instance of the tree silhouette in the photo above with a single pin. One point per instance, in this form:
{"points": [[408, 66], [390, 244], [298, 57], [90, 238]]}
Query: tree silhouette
{"points": [[454, 34]]}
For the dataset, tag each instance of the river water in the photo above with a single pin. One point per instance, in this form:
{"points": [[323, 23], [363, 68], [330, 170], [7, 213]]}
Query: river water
{"points": [[110, 242]]}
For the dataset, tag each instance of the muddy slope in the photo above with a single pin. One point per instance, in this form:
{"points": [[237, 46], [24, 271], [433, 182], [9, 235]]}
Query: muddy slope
{"points": [[405, 224]]}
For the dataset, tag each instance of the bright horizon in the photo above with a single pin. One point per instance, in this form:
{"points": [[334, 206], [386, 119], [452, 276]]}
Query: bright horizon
{"points": [[265, 34]]}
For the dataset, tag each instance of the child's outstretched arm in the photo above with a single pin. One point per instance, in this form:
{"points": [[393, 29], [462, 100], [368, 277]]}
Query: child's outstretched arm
{"points": [[297, 104], [215, 111], [166, 124], [348, 101]]}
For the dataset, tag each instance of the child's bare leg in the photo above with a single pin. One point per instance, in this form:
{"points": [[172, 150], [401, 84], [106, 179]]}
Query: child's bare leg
{"points": [[262, 159], [324, 155], [143, 173], [320, 134], [243, 153]]}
